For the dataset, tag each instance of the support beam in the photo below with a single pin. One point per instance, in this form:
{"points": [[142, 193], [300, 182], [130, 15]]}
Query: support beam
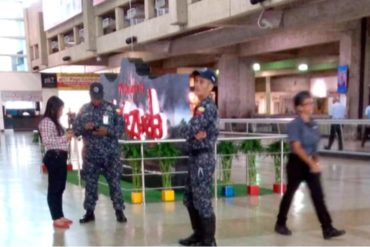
{"points": [[76, 35], [367, 67], [288, 40], [179, 12], [350, 54], [90, 26], [61, 44], [120, 18], [305, 15], [190, 61], [149, 9]]}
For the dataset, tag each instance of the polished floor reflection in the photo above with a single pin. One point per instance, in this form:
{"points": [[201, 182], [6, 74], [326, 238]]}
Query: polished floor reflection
{"points": [[25, 219]]}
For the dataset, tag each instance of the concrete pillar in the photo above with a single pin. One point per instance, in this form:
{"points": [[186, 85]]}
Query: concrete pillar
{"points": [[179, 12], [120, 18], [91, 30], [350, 54], [76, 35], [61, 44], [367, 67], [268, 96], [2, 127], [43, 48], [149, 6], [236, 87]]}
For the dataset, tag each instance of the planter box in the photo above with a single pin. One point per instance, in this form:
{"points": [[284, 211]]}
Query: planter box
{"points": [[228, 191], [253, 190], [136, 197], [168, 195], [279, 188]]}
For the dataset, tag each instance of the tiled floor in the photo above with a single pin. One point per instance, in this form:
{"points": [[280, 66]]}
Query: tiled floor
{"points": [[25, 219]]}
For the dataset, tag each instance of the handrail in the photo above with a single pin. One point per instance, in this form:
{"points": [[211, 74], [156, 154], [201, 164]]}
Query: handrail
{"points": [[241, 138], [287, 120]]}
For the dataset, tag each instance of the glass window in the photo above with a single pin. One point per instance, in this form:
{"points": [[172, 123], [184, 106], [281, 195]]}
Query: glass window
{"points": [[11, 28], [6, 63], [11, 9], [12, 46], [13, 50], [12, 63]]}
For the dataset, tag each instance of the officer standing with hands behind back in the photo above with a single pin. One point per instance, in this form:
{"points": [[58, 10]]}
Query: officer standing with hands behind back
{"points": [[201, 136], [100, 127]]}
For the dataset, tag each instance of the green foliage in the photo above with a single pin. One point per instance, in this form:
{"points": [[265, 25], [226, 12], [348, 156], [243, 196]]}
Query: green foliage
{"points": [[226, 150], [35, 137], [274, 150], [252, 168], [275, 147], [165, 151], [251, 148], [133, 151]]}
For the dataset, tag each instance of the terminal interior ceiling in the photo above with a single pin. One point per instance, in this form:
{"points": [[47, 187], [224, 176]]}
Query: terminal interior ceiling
{"points": [[145, 53]]}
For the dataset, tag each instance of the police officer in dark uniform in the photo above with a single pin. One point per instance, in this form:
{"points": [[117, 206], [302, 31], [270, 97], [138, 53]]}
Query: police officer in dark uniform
{"points": [[100, 127], [303, 166], [201, 135]]}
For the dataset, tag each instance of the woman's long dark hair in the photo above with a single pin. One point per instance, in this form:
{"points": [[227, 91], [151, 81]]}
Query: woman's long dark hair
{"points": [[52, 108], [300, 97]]}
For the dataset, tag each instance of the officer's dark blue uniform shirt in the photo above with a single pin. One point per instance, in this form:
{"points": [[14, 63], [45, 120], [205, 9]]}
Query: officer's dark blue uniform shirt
{"points": [[104, 115], [205, 119], [307, 134]]}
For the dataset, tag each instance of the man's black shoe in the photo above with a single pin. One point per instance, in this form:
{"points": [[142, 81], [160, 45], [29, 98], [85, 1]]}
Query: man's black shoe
{"points": [[332, 233], [121, 216], [283, 230], [89, 216], [192, 240]]}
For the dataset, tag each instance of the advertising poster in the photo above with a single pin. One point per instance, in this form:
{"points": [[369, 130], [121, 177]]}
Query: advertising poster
{"points": [[153, 108], [49, 80], [343, 73], [69, 81]]}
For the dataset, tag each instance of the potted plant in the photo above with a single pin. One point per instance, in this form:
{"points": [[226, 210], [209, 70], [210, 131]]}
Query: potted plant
{"points": [[251, 148], [167, 152], [226, 150], [274, 150], [132, 152]]}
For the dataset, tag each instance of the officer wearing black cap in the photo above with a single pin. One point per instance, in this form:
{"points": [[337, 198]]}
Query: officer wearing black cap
{"points": [[100, 127], [201, 135]]}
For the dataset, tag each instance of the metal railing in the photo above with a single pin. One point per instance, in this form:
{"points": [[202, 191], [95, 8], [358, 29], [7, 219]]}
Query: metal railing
{"points": [[142, 159], [354, 131]]}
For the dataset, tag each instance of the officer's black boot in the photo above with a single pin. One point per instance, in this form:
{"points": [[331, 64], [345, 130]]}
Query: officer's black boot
{"points": [[209, 230], [121, 216], [89, 216], [196, 237]]}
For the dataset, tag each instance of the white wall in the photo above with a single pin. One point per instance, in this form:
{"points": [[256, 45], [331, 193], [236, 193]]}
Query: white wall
{"points": [[18, 81]]}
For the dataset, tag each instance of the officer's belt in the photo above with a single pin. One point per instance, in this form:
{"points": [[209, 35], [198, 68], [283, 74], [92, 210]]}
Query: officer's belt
{"points": [[201, 151]]}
